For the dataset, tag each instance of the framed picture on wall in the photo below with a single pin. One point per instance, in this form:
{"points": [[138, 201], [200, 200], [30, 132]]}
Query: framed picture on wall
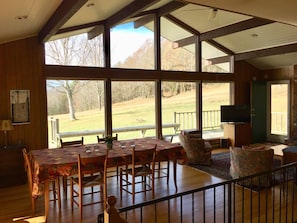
{"points": [[20, 106]]}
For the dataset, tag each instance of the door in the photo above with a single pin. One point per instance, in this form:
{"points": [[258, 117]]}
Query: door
{"points": [[259, 111], [278, 111]]}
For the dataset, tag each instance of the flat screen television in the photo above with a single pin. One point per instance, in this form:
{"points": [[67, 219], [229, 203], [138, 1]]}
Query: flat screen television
{"points": [[235, 113]]}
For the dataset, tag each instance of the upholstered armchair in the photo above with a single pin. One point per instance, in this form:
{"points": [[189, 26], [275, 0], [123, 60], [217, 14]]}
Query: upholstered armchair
{"points": [[249, 161], [198, 150]]}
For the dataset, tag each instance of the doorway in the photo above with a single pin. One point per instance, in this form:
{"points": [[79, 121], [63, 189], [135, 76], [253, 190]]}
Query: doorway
{"points": [[278, 111]]}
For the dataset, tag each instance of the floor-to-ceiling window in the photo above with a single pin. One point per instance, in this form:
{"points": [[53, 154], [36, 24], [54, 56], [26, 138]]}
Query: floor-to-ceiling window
{"points": [[213, 96], [133, 109], [178, 106], [75, 106]]}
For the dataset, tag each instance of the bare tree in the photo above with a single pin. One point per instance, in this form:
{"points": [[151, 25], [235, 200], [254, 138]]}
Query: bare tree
{"points": [[76, 50]]}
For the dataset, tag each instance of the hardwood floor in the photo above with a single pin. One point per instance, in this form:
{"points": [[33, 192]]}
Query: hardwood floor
{"points": [[15, 202]]}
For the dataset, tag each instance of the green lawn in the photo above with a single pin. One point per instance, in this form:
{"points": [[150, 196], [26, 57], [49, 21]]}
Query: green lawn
{"points": [[137, 112]]}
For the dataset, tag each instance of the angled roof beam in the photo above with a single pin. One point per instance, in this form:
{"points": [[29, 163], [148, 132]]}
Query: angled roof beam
{"points": [[192, 39], [96, 32], [78, 27], [171, 6], [126, 12], [183, 25], [164, 10], [64, 12], [233, 28], [290, 48], [130, 10], [236, 27], [184, 42], [220, 47], [144, 20]]}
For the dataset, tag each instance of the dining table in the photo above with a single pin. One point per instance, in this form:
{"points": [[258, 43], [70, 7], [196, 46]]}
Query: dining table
{"points": [[50, 163]]}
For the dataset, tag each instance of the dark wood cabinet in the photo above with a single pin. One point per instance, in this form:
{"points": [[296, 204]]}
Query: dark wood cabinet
{"points": [[12, 171]]}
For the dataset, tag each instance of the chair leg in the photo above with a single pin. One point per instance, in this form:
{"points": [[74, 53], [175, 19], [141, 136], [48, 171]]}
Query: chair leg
{"points": [[33, 203], [71, 194], [168, 169], [153, 184], [80, 202], [58, 191], [133, 189], [121, 184]]}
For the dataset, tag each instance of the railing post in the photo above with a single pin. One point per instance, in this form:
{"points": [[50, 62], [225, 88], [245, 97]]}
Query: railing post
{"points": [[57, 130], [229, 210], [111, 214]]}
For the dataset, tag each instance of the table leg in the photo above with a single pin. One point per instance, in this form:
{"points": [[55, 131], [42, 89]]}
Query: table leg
{"points": [[65, 186], [46, 199]]}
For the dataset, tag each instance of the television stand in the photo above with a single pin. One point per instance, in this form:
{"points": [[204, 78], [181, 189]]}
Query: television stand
{"points": [[238, 133]]}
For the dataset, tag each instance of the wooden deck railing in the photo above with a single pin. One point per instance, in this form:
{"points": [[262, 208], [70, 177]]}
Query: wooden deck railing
{"points": [[56, 135], [210, 119]]}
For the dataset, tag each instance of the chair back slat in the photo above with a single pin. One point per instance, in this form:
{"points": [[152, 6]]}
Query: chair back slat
{"points": [[89, 165], [79, 142], [142, 157], [115, 138]]}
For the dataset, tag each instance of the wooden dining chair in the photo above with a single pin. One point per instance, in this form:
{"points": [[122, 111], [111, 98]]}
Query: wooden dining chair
{"points": [[162, 169], [54, 184], [79, 142], [91, 173], [112, 171], [143, 164], [65, 144], [99, 139]]}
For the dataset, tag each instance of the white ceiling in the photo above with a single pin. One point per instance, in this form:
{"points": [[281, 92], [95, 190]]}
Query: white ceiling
{"points": [[21, 19]]}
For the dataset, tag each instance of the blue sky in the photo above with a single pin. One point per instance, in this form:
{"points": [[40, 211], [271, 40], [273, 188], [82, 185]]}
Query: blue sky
{"points": [[125, 40]]}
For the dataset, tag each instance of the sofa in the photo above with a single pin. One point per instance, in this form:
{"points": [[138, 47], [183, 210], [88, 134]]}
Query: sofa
{"points": [[198, 150], [246, 161]]}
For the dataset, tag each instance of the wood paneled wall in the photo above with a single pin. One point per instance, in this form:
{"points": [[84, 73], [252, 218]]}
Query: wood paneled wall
{"points": [[21, 68]]}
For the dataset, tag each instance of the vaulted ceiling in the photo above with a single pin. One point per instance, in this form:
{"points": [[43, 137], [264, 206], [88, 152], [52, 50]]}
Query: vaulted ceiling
{"points": [[262, 32]]}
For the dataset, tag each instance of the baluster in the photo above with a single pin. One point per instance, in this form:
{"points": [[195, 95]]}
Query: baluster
{"points": [[111, 214]]}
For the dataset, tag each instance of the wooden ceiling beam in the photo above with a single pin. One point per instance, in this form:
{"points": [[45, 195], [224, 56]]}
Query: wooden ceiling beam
{"points": [[164, 10], [98, 30], [236, 27], [191, 40], [182, 25], [129, 11], [290, 48], [80, 27], [233, 28], [63, 13], [220, 47], [143, 21], [171, 6]]}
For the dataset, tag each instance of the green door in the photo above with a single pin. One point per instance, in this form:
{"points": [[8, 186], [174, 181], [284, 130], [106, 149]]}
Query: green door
{"points": [[259, 111]]}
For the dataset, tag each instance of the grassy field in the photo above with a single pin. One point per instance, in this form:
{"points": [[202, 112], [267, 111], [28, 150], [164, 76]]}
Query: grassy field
{"points": [[141, 111]]}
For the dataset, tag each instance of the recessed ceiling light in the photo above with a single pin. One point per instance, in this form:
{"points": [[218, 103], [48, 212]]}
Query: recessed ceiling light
{"points": [[90, 4], [254, 35], [23, 17]]}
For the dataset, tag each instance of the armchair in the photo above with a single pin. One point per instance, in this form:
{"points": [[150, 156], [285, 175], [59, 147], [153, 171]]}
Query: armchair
{"points": [[198, 150], [245, 162]]}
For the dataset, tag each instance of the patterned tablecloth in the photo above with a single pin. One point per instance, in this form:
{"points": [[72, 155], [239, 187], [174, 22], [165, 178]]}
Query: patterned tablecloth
{"points": [[51, 163]]}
